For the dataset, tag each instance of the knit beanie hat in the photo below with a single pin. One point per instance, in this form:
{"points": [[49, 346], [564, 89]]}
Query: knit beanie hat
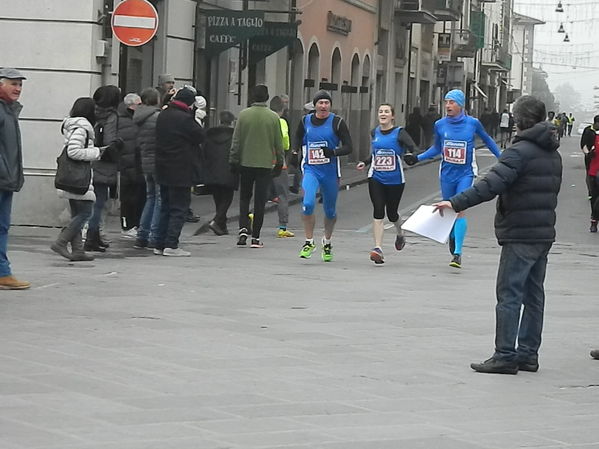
{"points": [[165, 78], [260, 93], [321, 95], [186, 96], [458, 96]]}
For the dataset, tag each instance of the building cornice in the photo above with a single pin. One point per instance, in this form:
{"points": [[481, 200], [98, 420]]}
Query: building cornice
{"points": [[362, 5]]}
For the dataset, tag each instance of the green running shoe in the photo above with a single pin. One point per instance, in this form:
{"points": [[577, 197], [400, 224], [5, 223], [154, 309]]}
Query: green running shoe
{"points": [[307, 250], [327, 252]]}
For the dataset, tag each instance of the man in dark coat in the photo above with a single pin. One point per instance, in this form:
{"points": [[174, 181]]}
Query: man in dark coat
{"points": [[527, 179], [216, 173], [178, 137], [11, 169], [428, 125]]}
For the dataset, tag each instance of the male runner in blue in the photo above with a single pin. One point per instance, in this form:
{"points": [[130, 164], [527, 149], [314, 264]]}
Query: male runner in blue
{"points": [[454, 140], [323, 137]]}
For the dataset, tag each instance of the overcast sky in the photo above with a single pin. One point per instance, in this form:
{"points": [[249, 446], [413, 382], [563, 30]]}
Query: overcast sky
{"points": [[575, 62]]}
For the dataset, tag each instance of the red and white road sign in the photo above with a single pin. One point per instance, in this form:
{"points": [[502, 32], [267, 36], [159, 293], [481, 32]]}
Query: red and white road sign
{"points": [[134, 22]]}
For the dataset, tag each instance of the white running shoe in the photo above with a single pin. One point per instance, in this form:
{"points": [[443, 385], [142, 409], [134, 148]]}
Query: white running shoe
{"points": [[129, 234], [175, 252]]}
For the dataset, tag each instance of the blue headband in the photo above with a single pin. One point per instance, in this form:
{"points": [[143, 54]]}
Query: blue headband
{"points": [[458, 96]]}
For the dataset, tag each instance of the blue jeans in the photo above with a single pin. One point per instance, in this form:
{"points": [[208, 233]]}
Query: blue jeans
{"points": [[520, 286], [5, 208], [150, 217], [101, 191]]}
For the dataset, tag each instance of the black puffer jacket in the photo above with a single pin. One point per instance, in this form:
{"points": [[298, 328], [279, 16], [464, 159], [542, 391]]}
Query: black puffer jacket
{"points": [[145, 118], [130, 159], [527, 178], [215, 158], [178, 138], [107, 120]]}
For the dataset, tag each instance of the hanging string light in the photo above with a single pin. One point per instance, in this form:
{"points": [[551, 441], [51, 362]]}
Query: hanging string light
{"points": [[559, 7], [561, 28], [566, 38]]}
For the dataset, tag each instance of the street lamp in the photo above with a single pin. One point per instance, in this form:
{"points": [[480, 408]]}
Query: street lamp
{"points": [[559, 8]]}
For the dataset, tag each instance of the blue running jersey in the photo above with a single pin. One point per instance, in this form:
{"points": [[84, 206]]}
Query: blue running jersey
{"points": [[455, 142], [316, 138], [386, 166]]}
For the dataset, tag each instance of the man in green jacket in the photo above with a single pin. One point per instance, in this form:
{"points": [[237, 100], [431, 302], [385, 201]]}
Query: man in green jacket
{"points": [[257, 155]]}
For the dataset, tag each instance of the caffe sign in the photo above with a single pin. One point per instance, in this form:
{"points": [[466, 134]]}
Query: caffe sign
{"points": [[225, 29]]}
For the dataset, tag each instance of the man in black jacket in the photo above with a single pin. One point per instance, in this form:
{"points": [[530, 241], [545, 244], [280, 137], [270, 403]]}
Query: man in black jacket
{"points": [[178, 139], [527, 179]]}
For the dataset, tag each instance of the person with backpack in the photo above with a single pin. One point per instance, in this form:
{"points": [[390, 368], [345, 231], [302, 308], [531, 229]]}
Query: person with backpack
{"points": [[322, 137], [78, 132]]}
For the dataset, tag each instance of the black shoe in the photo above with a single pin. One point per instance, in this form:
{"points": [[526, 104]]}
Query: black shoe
{"points": [[216, 228], [494, 366], [595, 354], [456, 261], [243, 237], [528, 365], [400, 242], [593, 226], [140, 244], [190, 217]]}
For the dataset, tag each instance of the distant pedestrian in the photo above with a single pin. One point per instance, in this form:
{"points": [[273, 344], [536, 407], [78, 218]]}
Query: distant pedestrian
{"points": [[166, 88], [494, 123], [107, 99], [527, 179], [11, 170], [178, 139], [145, 117], [217, 176], [571, 121], [428, 126], [504, 126], [589, 143], [257, 155], [414, 125], [132, 186], [281, 182]]}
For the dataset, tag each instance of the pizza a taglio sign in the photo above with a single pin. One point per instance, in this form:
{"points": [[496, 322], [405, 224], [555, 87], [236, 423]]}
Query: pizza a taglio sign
{"points": [[225, 29]]}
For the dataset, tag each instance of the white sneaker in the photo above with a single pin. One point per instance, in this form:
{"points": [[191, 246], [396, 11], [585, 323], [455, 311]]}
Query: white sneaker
{"points": [[158, 251], [129, 234], [175, 252]]}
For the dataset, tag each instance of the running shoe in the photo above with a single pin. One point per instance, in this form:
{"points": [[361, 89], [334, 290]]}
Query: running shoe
{"points": [[400, 242], [593, 226], [376, 255], [307, 250], [456, 261], [327, 252], [283, 233], [256, 243], [175, 252], [243, 237]]}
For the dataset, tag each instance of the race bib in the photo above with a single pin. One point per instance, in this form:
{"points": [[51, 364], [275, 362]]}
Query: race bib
{"points": [[316, 153], [384, 160], [454, 151]]}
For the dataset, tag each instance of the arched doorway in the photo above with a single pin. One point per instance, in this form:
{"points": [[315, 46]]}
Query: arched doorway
{"points": [[365, 109], [296, 90], [353, 115], [336, 79], [313, 72]]}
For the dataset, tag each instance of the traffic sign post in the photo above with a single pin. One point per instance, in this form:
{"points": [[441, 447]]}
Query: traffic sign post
{"points": [[134, 22]]}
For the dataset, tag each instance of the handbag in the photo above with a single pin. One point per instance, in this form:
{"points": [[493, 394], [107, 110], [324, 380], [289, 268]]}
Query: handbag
{"points": [[72, 175]]}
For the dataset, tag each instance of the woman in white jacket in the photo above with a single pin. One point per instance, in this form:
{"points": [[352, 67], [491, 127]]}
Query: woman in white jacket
{"points": [[78, 132]]}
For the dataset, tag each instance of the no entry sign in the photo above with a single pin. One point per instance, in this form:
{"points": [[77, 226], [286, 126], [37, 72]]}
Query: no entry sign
{"points": [[134, 22]]}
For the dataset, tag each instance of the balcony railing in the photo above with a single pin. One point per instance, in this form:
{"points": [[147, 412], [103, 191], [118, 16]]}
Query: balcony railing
{"points": [[415, 11], [497, 59], [448, 10], [464, 44]]}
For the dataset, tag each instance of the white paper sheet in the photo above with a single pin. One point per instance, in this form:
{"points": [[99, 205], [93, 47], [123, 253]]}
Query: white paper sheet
{"points": [[431, 225]]}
